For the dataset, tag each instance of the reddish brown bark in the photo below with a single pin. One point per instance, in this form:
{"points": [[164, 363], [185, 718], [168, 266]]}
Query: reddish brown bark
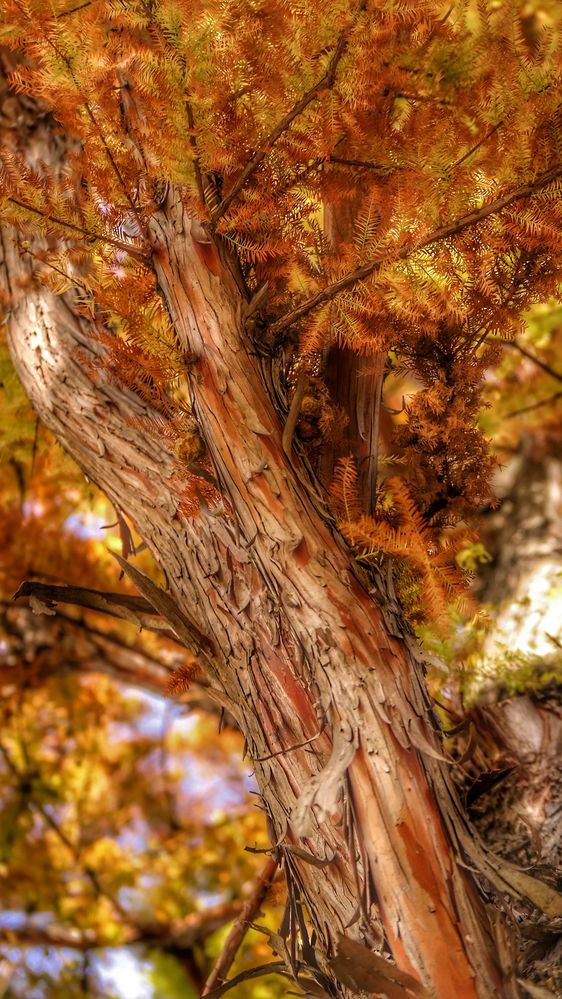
{"points": [[299, 645]]}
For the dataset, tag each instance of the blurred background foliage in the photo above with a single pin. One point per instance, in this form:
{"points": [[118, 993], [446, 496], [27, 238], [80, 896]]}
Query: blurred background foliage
{"points": [[124, 814]]}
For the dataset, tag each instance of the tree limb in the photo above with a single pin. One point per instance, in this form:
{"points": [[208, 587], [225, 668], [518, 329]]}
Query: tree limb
{"points": [[435, 236], [137, 610]]}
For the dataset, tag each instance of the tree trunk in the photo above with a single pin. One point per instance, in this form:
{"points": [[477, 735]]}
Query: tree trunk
{"points": [[314, 663], [522, 585], [516, 721]]}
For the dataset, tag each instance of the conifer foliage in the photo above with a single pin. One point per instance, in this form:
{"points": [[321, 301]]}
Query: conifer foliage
{"points": [[437, 128], [400, 532], [448, 121]]}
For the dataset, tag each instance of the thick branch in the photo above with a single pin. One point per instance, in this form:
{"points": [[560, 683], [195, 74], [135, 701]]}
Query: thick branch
{"points": [[136, 610], [435, 236]]}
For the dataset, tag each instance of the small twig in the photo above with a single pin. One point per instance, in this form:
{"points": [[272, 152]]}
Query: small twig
{"points": [[289, 749], [73, 10], [271, 968], [504, 299], [110, 157], [34, 448], [476, 146], [58, 270], [241, 926], [325, 83], [89, 233], [532, 357], [361, 164], [194, 150], [534, 405]]}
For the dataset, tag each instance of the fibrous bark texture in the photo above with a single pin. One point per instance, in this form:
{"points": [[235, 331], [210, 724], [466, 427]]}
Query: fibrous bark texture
{"points": [[516, 797], [311, 658]]}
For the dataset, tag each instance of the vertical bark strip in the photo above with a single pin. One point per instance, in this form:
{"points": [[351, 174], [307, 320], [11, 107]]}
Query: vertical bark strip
{"points": [[353, 380]]}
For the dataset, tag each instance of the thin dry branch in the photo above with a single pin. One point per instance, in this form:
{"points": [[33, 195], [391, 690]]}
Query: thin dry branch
{"points": [[241, 926], [137, 610], [360, 164], [88, 233], [534, 405], [476, 146], [180, 935], [185, 628], [109, 155], [532, 357], [73, 10], [435, 236], [326, 82], [154, 612]]}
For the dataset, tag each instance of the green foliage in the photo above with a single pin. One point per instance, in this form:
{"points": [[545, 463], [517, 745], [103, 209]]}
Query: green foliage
{"points": [[168, 978], [473, 555], [464, 664], [519, 673]]}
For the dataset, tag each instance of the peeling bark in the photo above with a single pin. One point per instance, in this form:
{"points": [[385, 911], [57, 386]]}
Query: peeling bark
{"points": [[522, 583], [316, 666], [518, 737]]}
